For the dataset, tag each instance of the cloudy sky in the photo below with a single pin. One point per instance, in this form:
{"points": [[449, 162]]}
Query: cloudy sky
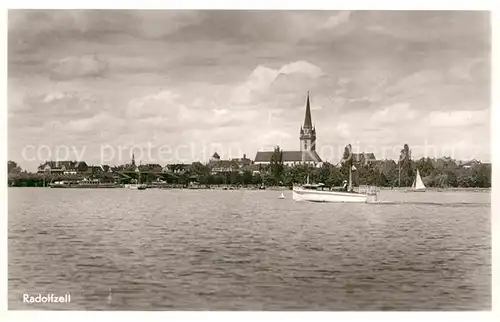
{"points": [[183, 84]]}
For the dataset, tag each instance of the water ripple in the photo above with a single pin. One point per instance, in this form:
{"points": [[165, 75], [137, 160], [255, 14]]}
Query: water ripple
{"points": [[231, 250]]}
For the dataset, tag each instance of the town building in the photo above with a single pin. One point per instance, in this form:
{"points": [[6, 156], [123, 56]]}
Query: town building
{"points": [[99, 169], [470, 164], [364, 158], [218, 166], [177, 168], [63, 167], [150, 167], [243, 162], [307, 153]]}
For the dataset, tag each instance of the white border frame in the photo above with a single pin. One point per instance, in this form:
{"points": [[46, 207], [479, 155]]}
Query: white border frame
{"points": [[252, 316]]}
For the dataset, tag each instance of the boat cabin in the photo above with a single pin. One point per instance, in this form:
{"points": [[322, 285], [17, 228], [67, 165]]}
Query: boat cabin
{"points": [[318, 186]]}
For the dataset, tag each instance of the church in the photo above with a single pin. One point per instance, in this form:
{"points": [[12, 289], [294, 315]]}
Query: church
{"points": [[307, 153]]}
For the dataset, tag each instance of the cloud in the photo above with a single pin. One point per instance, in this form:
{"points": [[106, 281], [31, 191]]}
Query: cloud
{"points": [[459, 118], [96, 123], [165, 109], [255, 27], [221, 112], [271, 137], [262, 78], [468, 70], [74, 67], [40, 25], [336, 20], [343, 129], [53, 96], [394, 114], [417, 81], [224, 76], [56, 105], [162, 103], [301, 67]]}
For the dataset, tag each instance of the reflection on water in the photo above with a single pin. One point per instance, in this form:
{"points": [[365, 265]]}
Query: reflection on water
{"points": [[121, 249]]}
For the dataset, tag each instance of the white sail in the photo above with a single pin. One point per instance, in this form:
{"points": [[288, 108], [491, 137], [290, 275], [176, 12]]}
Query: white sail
{"points": [[418, 184]]}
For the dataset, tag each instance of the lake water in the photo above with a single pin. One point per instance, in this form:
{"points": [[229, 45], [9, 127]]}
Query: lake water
{"points": [[120, 249]]}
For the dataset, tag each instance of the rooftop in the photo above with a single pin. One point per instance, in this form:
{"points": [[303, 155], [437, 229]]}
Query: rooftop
{"points": [[289, 156]]}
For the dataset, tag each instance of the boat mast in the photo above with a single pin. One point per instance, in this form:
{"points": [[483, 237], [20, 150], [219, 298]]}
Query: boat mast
{"points": [[349, 187], [139, 170], [399, 174]]}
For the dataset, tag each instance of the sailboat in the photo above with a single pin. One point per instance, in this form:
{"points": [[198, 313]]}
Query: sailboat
{"points": [[418, 185], [320, 193]]}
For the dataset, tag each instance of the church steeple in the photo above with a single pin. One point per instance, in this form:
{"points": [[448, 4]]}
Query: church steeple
{"points": [[307, 119], [133, 159], [308, 132]]}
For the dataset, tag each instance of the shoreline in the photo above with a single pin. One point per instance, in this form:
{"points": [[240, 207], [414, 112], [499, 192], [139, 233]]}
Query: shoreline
{"points": [[272, 188], [399, 189]]}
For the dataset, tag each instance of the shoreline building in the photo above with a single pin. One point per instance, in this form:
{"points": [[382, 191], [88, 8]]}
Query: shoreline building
{"points": [[63, 167], [218, 166], [307, 153]]}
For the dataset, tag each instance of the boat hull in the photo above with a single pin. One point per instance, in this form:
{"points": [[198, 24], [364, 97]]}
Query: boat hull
{"points": [[415, 190], [85, 186], [136, 187], [330, 196]]}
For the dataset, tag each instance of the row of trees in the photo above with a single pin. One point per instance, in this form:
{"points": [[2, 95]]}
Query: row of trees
{"points": [[442, 172]]}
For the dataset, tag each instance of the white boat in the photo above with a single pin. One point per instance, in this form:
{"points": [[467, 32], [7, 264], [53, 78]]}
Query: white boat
{"points": [[418, 185], [282, 196], [138, 185], [319, 193], [315, 193]]}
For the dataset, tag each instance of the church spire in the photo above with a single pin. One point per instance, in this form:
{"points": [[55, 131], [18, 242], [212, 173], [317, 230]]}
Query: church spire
{"points": [[307, 120]]}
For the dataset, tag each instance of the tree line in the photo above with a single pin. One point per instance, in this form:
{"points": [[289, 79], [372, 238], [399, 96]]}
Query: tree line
{"points": [[438, 172], [442, 172]]}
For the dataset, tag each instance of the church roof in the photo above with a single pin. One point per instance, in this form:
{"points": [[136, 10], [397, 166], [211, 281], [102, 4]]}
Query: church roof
{"points": [[216, 156], [289, 156], [307, 119]]}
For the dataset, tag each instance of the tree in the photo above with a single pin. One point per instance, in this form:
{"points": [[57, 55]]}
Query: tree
{"points": [[197, 169], [324, 174], [482, 176], [233, 177], [13, 167], [405, 166], [247, 177], [218, 179], [257, 179], [268, 180], [203, 179], [347, 163], [425, 166], [276, 165], [382, 180], [451, 179], [347, 160]]}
